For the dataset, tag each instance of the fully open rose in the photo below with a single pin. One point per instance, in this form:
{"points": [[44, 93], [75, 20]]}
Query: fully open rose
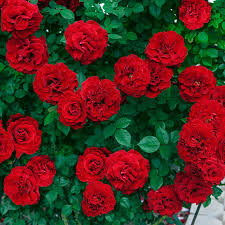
{"points": [[27, 55], [21, 18], [91, 165], [21, 186], [25, 134], [98, 199], [51, 81], [194, 13], [127, 171], [86, 42], [43, 169]]}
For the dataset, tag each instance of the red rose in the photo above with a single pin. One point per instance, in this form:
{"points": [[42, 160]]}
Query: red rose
{"points": [[167, 48], [218, 94], [91, 165], [127, 171], [192, 189], [211, 170], [25, 134], [159, 79], [51, 81], [27, 55], [86, 42], [211, 112], [43, 168], [221, 148], [102, 99], [196, 83], [197, 141], [70, 4], [3, 3], [132, 75], [21, 187], [72, 110], [98, 199], [23, 20], [6, 145], [194, 13], [164, 201]]}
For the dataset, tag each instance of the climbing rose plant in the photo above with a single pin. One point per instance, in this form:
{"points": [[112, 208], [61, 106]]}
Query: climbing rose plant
{"points": [[111, 112]]}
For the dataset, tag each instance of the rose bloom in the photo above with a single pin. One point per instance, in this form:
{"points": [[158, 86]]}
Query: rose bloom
{"points": [[211, 112], [21, 187], [25, 134], [91, 165], [194, 13], [159, 79], [197, 141], [23, 20], [51, 81], [218, 94], [167, 48], [98, 199], [192, 189], [86, 42], [102, 99], [71, 109], [27, 55], [211, 170], [127, 171], [221, 147], [196, 83], [70, 4], [6, 144], [3, 3], [43, 168], [132, 75], [164, 201]]}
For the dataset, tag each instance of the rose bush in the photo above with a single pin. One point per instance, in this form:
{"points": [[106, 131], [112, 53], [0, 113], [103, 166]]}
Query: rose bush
{"points": [[82, 80]]}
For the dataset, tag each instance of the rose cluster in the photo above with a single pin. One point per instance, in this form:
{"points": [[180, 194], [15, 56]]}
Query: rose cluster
{"points": [[25, 52], [97, 99], [22, 135], [22, 184], [125, 171], [137, 77]]}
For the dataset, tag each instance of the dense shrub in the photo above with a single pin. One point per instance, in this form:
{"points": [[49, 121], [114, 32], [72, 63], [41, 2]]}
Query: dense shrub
{"points": [[146, 115]]}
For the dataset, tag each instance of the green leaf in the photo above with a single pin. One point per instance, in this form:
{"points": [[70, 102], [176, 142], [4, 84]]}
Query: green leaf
{"points": [[34, 2], [122, 122], [51, 196], [160, 3], [203, 37], [64, 129], [156, 181], [67, 14], [176, 220], [20, 93], [207, 202], [162, 135], [125, 202], [217, 192], [50, 118], [154, 10], [138, 8], [109, 131], [149, 144], [131, 36], [174, 136], [115, 36], [67, 210], [165, 151], [212, 52], [123, 137]]}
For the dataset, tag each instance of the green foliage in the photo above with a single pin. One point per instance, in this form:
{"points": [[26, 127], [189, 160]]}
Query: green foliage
{"points": [[150, 126]]}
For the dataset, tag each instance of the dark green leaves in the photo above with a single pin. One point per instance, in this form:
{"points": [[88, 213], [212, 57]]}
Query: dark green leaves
{"points": [[203, 37], [156, 181], [67, 210], [67, 14], [149, 144], [162, 135]]}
